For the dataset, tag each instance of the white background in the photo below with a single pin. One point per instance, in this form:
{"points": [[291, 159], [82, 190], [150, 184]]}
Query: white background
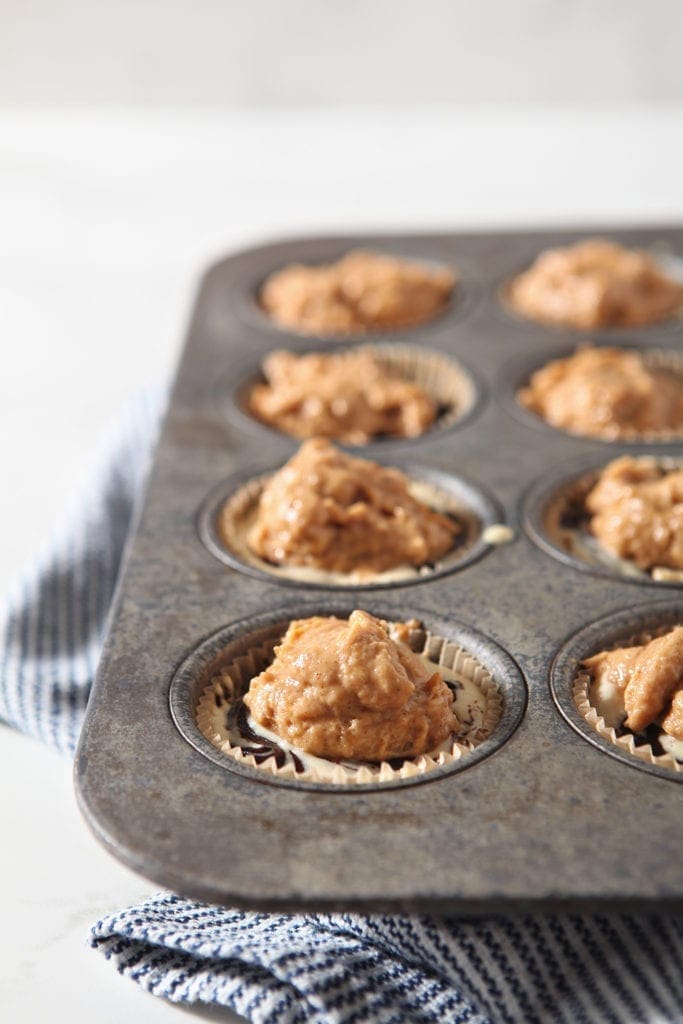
{"points": [[139, 141], [336, 52]]}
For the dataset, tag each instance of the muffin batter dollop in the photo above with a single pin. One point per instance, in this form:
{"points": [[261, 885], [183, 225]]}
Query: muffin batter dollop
{"points": [[595, 284], [606, 392], [344, 689], [637, 512], [363, 291], [350, 396], [338, 513], [640, 685]]}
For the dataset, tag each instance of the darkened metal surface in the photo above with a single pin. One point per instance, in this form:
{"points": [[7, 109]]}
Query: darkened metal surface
{"points": [[548, 820]]}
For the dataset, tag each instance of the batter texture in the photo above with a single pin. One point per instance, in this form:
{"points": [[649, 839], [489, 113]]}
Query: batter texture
{"points": [[605, 392], [363, 291], [343, 514], [637, 512], [596, 284], [644, 683], [345, 690], [349, 396]]}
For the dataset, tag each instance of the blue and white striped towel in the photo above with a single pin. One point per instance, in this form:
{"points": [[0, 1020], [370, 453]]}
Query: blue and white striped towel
{"points": [[313, 968]]}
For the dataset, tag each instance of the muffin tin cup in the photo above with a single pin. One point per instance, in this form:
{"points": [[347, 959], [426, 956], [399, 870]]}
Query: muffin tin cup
{"points": [[657, 331], [246, 305], [453, 387], [518, 372], [543, 505], [227, 511], [243, 649], [569, 681]]}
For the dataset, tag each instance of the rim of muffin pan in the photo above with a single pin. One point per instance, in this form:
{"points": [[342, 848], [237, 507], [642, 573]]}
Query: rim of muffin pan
{"points": [[617, 629], [517, 372], [233, 389], [481, 508], [233, 639], [551, 487], [614, 334], [244, 297]]}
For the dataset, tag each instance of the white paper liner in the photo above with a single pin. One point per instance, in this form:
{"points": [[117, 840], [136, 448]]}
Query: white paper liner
{"points": [[238, 514], [451, 389], [232, 679], [580, 543], [626, 743], [654, 359]]}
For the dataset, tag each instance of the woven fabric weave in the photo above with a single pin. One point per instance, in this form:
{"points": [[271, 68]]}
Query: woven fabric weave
{"points": [[314, 968]]}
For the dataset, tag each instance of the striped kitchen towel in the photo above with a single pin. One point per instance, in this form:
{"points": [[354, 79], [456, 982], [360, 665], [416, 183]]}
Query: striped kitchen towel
{"points": [[313, 968]]}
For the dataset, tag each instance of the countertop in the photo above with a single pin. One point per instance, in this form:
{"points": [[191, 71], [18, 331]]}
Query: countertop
{"points": [[108, 219]]}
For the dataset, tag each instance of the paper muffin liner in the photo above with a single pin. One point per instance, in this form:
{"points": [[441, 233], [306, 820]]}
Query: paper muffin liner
{"points": [[238, 512], [654, 359], [230, 681], [579, 542], [626, 742], [447, 383], [451, 388]]}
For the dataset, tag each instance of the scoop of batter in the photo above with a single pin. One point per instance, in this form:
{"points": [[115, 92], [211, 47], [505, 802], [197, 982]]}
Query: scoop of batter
{"points": [[345, 690], [605, 392], [595, 284], [361, 292], [338, 513], [638, 512], [345, 395], [645, 681]]}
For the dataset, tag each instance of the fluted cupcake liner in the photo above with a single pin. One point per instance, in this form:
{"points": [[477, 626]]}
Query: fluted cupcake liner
{"points": [[626, 742], [231, 680]]}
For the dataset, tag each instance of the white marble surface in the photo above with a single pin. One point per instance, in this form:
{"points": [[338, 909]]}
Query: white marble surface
{"points": [[107, 218]]}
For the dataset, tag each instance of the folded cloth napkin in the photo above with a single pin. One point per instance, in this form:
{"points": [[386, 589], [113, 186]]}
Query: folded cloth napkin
{"points": [[312, 968]]}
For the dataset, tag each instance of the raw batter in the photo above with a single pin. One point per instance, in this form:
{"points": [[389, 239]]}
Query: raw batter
{"points": [[595, 284], [363, 291], [344, 689], [338, 513], [605, 392], [349, 396]]}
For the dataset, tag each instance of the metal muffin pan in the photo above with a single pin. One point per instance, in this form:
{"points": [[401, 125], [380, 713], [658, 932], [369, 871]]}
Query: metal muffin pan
{"points": [[542, 823]]}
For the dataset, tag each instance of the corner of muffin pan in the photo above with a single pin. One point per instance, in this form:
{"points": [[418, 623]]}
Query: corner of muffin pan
{"points": [[482, 509], [619, 628], [517, 371], [238, 637], [244, 295], [661, 330], [552, 486], [231, 390]]}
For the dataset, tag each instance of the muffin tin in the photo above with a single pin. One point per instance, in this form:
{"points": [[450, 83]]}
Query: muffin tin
{"points": [[543, 815]]}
